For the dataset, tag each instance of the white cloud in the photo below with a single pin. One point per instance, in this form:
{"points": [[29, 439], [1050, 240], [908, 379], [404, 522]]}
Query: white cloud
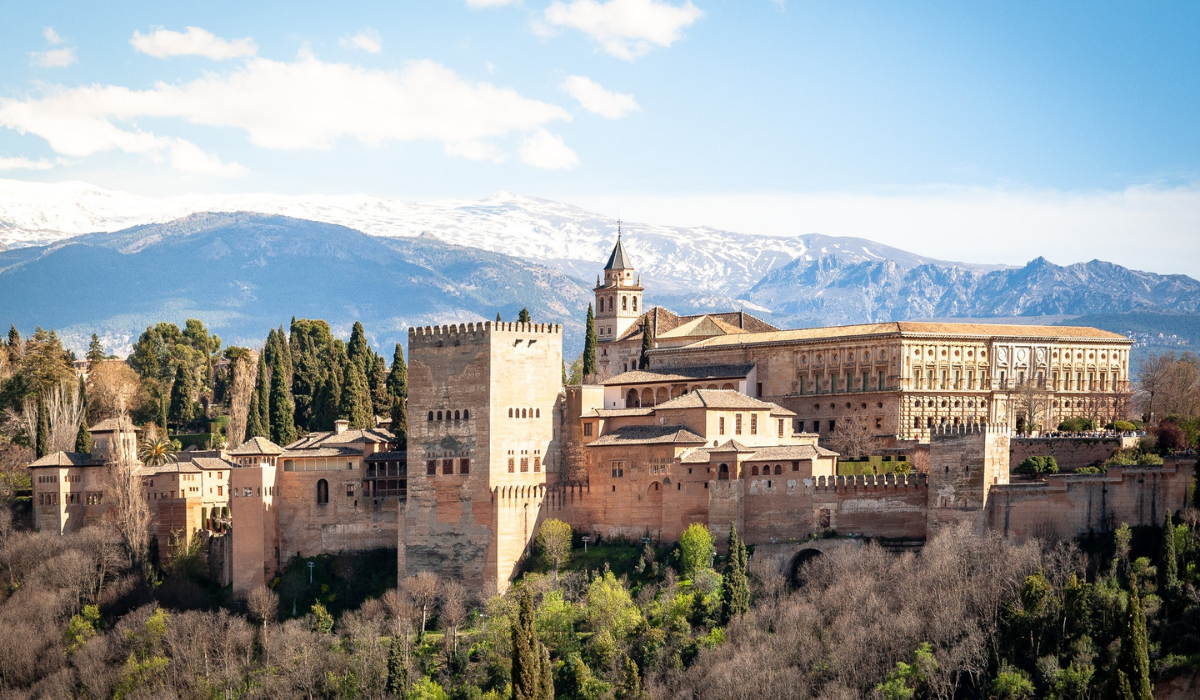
{"points": [[305, 104], [626, 29], [54, 58], [164, 43], [596, 99], [543, 149], [367, 40], [22, 163], [52, 36], [491, 3], [1144, 228]]}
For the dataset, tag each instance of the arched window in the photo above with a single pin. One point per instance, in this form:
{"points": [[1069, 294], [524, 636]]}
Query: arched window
{"points": [[778, 469], [457, 415], [524, 413], [538, 411], [754, 470], [466, 414], [635, 303], [723, 471], [624, 303], [439, 415], [322, 492], [510, 413], [431, 416]]}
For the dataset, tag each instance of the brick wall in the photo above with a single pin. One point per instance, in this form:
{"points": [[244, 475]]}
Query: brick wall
{"points": [[1070, 453]]}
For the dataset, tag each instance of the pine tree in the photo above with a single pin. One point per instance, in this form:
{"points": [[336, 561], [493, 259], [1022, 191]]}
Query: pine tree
{"points": [[1170, 563], [356, 398], [397, 670], [523, 317], [283, 427], [735, 586], [357, 349], [589, 345], [42, 439], [647, 345], [180, 410], [95, 353], [397, 387], [1133, 661], [630, 686], [14, 343]]}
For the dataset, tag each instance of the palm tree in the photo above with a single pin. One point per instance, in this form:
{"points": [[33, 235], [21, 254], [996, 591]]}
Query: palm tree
{"points": [[155, 451]]}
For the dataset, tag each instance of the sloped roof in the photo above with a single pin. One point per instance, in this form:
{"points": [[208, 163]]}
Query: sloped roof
{"points": [[679, 374], [67, 459], [110, 425], [257, 446], [648, 435], [322, 452], [784, 453], [329, 437], [913, 328], [663, 320], [169, 468], [211, 463], [731, 446], [703, 327], [617, 412], [722, 399], [619, 260]]}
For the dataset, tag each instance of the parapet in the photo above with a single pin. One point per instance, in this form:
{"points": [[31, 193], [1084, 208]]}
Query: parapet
{"points": [[475, 332], [946, 431], [871, 482]]}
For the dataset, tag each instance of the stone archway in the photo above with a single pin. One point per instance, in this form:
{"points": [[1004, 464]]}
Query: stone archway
{"points": [[631, 399], [790, 558], [797, 568]]}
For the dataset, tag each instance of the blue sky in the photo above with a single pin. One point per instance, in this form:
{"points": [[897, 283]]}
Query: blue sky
{"points": [[773, 117]]}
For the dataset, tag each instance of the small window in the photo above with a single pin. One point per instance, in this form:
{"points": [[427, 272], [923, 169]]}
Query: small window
{"points": [[457, 416], [464, 466], [447, 466], [439, 415], [510, 413], [737, 424], [778, 469], [431, 416], [754, 470], [537, 463], [754, 424], [322, 492], [721, 425], [587, 429], [524, 464], [538, 411], [511, 465], [466, 414], [780, 427], [431, 468], [832, 426], [524, 413], [350, 490], [618, 469]]}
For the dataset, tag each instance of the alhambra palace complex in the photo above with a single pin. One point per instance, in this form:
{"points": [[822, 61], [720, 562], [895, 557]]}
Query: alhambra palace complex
{"points": [[730, 424]]}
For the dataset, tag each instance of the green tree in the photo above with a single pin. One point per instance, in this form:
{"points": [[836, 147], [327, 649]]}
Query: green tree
{"points": [[83, 439], [498, 317], [1133, 660], [1012, 684], [902, 683], [255, 426], [397, 388], [589, 345], [180, 410], [327, 402], [523, 317], [156, 451], [735, 586], [630, 685], [15, 345], [530, 659], [262, 387], [609, 609], [44, 362], [95, 352], [397, 669], [42, 439], [580, 684], [647, 345], [554, 542], [357, 349], [381, 400], [283, 427], [356, 398], [1170, 561], [695, 549]]}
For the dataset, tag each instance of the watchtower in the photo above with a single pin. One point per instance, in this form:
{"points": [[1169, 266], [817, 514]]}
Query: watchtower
{"points": [[965, 462]]}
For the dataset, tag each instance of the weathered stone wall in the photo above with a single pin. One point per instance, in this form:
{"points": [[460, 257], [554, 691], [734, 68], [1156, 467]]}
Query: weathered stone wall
{"points": [[1070, 452], [965, 463], [346, 523], [1062, 507], [255, 523]]}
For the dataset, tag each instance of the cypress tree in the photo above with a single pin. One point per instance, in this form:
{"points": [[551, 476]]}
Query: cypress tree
{"points": [[356, 398], [589, 345], [328, 401], [263, 387], [83, 439], [1170, 563], [1133, 661], [523, 317], [42, 439], [14, 343], [630, 687], [397, 386], [397, 670], [381, 398], [357, 349], [180, 410], [647, 344], [254, 418], [529, 676], [283, 427], [497, 319], [735, 588]]}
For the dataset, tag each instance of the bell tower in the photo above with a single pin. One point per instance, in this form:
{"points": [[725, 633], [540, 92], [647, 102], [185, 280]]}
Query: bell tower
{"points": [[619, 296]]}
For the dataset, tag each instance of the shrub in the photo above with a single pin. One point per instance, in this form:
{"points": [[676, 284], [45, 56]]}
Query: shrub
{"points": [[1075, 425], [1124, 425], [695, 549], [1038, 465]]}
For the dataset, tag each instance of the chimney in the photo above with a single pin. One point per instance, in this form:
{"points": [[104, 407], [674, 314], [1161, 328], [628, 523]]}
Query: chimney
{"points": [[340, 426]]}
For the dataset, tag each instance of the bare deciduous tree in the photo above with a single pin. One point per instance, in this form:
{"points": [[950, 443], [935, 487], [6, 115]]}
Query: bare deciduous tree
{"points": [[240, 389], [854, 437], [129, 513], [112, 388], [423, 589], [454, 610]]}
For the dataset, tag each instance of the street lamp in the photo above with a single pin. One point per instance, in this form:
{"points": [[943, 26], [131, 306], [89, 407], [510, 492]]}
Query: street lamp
{"points": [[585, 539], [310, 570]]}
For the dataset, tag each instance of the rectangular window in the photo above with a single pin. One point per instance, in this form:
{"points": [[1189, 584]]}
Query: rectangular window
{"points": [[618, 470], [537, 463], [464, 466], [447, 466], [431, 468], [511, 465], [754, 424], [350, 490], [957, 379], [866, 379], [802, 385], [524, 464], [721, 424], [799, 426], [758, 389], [737, 424], [831, 425], [970, 379], [928, 379], [780, 427], [587, 429], [882, 381]]}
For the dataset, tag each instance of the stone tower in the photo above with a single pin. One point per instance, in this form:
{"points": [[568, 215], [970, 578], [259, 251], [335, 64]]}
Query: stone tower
{"points": [[619, 296], [965, 462], [482, 446]]}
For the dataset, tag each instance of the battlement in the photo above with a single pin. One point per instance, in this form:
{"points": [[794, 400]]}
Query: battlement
{"points": [[475, 332], [952, 431], [870, 482]]}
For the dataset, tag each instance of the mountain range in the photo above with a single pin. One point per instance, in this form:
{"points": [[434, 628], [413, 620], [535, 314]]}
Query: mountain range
{"points": [[84, 259]]}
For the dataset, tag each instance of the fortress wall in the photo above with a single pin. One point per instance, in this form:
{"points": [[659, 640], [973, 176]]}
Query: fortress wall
{"points": [[346, 523], [1072, 505], [892, 505], [1070, 453]]}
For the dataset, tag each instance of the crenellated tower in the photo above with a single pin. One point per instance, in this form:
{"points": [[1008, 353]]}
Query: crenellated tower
{"points": [[618, 296]]}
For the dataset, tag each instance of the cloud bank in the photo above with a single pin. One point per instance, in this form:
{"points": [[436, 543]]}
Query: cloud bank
{"points": [[164, 43], [594, 98], [626, 29]]}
